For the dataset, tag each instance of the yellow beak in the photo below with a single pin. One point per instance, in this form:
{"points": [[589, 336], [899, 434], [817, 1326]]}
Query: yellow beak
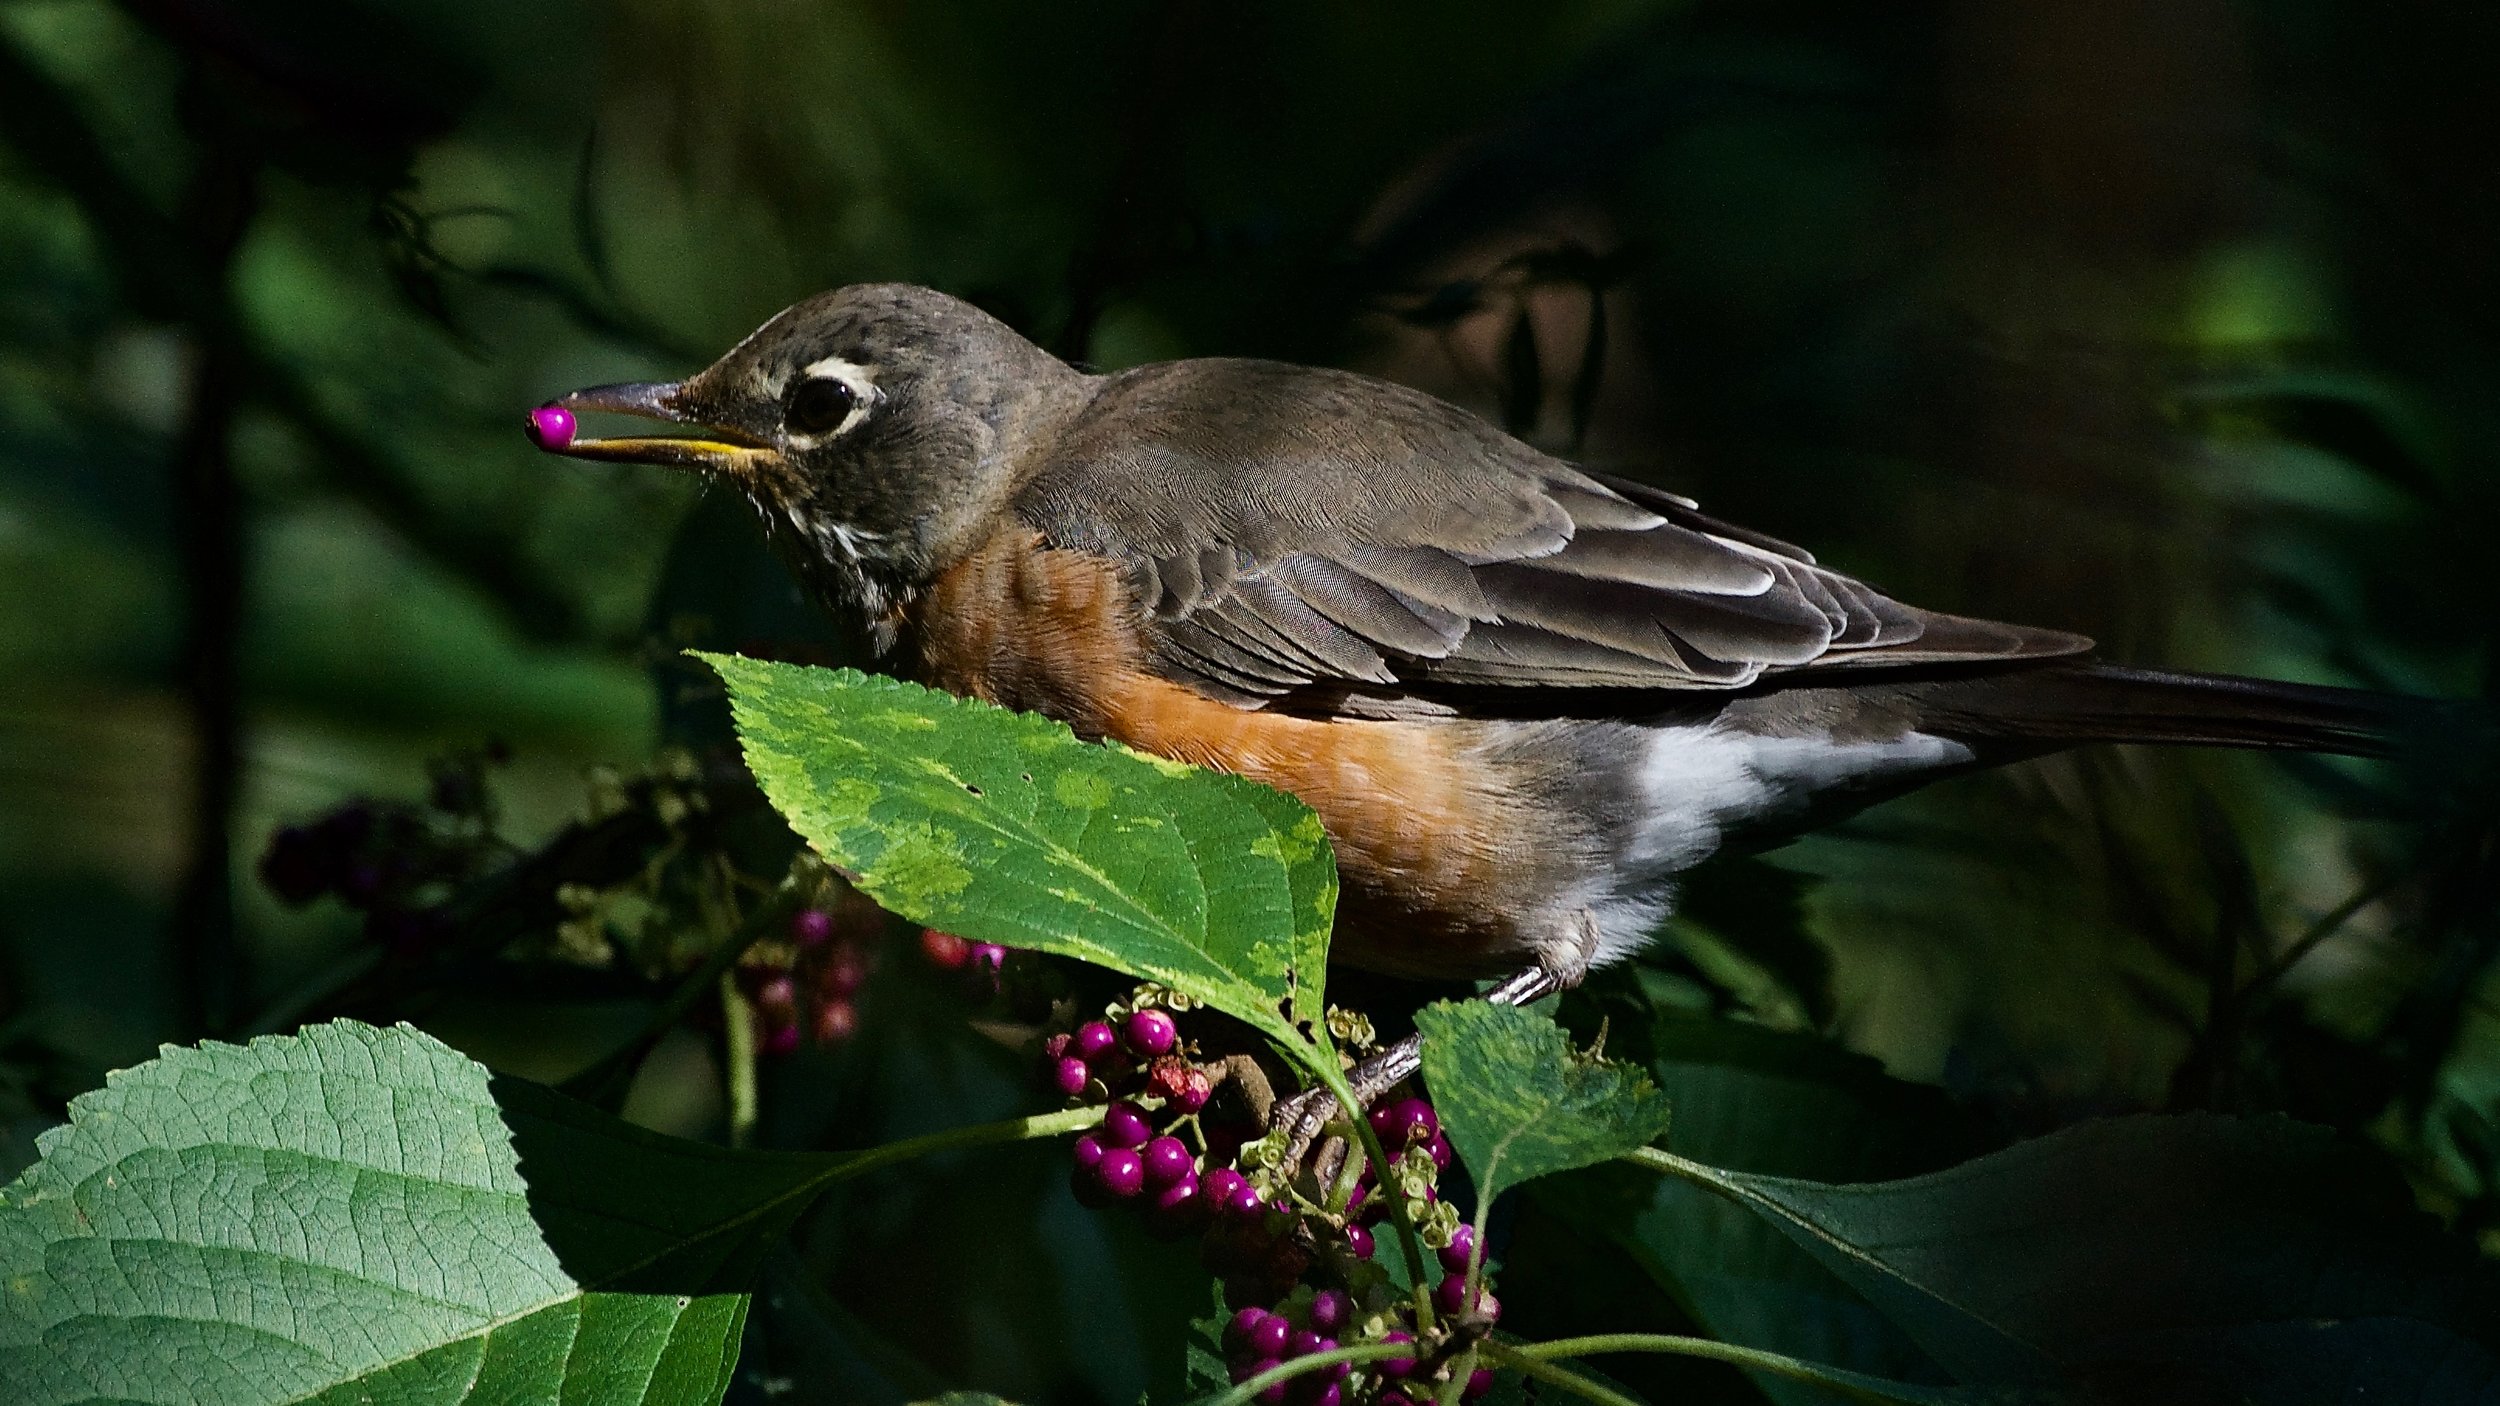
{"points": [[551, 427]]}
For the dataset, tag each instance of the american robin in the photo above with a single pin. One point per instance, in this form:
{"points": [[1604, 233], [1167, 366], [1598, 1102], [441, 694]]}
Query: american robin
{"points": [[1523, 697]]}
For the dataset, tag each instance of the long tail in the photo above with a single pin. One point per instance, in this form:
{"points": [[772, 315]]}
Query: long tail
{"points": [[2067, 704]]}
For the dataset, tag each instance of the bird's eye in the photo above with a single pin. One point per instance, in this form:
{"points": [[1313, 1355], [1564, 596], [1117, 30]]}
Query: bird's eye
{"points": [[820, 404]]}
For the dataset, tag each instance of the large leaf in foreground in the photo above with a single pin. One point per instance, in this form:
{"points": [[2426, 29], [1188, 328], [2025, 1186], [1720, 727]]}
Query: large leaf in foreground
{"points": [[1518, 1102], [357, 1214], [1004, 827], [2249, 1260]]}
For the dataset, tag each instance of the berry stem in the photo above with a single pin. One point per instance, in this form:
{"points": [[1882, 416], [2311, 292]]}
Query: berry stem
{"points": [[738, 1053], [1409, 1245], [1569, 1381], [608, 1075], [1536, 1359], [1241, 1394], [1040, 1125]]}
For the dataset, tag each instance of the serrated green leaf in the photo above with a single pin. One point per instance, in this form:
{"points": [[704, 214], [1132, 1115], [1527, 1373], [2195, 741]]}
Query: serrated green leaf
{"points": [[362, 1215], [1003, 827], [1518, 1102]]}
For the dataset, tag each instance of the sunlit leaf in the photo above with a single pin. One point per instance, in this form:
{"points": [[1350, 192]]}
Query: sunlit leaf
{"points": [[1003, 827], [1518, 1102]]}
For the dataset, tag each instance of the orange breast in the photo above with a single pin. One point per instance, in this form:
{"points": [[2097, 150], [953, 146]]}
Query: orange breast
{"points": [[1431, 843]]}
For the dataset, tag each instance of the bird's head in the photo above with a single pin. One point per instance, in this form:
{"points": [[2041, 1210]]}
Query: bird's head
{"points": [[878, 429]]}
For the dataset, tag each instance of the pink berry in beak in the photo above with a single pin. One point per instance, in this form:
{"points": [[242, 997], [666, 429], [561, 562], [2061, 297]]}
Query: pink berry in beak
{"points": [[551, 427]]}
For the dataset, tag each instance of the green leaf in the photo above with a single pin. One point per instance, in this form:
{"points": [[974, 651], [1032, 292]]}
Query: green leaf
{"points": [[1755, 1100], [1003, 827], [2259, 1258], [1518, 1102], [363, 1215]]}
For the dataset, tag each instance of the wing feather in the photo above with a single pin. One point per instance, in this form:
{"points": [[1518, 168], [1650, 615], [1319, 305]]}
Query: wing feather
{"points": [[1302, 534]]}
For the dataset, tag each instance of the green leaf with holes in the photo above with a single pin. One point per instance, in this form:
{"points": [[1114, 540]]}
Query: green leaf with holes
{"points": [[1003, 827], [363, 1215], [1518, 1102]]}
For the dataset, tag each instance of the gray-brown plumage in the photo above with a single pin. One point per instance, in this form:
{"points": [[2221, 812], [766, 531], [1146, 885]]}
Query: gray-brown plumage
{"points": [[1522, 697]]}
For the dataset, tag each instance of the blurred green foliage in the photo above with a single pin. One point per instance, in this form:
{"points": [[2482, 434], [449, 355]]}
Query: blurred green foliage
{"points": [[2168, 320]]}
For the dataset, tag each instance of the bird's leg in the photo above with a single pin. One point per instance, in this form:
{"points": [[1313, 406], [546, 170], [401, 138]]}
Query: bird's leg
{"points": [[1305, 1114]]}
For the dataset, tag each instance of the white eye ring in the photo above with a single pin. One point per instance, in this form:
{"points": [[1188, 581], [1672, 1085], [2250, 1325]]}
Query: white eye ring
{"points": [[859, 380]]}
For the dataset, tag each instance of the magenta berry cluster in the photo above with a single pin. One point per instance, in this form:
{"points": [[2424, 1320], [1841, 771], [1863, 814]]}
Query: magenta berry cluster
{"points": [[1297, 1263], [807, 988], [1153, 1150], [1258, 1340]]}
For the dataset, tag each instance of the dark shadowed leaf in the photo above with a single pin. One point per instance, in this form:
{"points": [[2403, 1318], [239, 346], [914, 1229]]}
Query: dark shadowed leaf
{"points": [[1004, 827], [357, 1214], [2206, 1257], [1518, 1102], [1761, 1101]]}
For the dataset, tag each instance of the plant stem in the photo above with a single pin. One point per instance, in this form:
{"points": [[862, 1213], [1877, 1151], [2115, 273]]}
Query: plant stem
{"points": [[1778, 1364], [1286, 1371], [738, 1053], [1040, 1125], [1569, 1381], [1408, 1244], [610, 1070]]}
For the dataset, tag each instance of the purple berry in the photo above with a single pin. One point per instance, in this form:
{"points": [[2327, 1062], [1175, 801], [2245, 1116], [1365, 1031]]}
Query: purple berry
{"points": [[1237, 1332], [781, 1040], [1124, 1125], [1395, 1366], [1070, 1076], [1120, 1172], [1094, 1040], [1178, 1209], [1479, 1382], [1439, 1147], [1359, 1240], [1168, 1160], [1245, 1203], [1251, 1367], [1330, 1309], [1218, 1185], [1462, 1244], [811, 927], [1328, 1394], [1410, 1120], [1089, 1151], [1451, 1297], [986, 957], [1151, 1033], [1270, 1336], [1381, 1117], [1274, 1395], [777, 994], [1357, 1199], [551, 428], [1304, 1342]]}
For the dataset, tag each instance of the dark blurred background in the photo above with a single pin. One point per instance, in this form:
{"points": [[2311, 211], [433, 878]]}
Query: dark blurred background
{"points": [[2168, 321]]}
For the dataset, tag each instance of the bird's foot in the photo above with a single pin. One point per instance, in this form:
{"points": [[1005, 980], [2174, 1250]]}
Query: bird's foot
{"points": [[1305, 1116]]}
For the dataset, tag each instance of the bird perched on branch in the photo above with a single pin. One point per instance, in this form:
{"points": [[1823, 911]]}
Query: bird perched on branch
{"points": [[1522, 697]]}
